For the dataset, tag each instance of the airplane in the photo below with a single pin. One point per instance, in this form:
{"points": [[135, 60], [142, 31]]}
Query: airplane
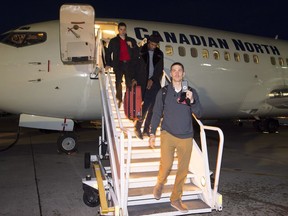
{"points": [[49, 72]]}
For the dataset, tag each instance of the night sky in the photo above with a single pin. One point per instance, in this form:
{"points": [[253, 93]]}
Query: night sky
{"points": [[256, 17]]}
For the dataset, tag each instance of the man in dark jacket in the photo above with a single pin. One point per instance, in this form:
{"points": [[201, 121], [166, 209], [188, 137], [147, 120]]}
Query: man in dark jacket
{"points": [[148, 76], [121, 54]]}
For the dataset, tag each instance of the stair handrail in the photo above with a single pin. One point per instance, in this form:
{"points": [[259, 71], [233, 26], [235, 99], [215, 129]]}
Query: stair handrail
{"points": [[219, 154], [113, 137], [102, 82], [124, 179]]}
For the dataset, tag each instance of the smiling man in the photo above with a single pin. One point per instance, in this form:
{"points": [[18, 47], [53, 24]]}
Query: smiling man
{"points": [[176, 132]]}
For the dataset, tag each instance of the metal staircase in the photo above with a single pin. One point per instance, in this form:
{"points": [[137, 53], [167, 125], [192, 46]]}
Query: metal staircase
{"points": [[125, 187]]}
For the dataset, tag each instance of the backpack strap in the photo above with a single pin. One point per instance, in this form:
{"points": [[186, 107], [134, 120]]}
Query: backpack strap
{"points": [[164, 92]]}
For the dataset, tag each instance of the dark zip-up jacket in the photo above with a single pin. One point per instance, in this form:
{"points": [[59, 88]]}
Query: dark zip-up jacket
{"points": [[142, 73], [114, 49]]}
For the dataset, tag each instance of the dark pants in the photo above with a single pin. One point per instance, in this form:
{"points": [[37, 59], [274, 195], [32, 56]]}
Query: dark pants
{"points": [[147, 107], [125, 68]]}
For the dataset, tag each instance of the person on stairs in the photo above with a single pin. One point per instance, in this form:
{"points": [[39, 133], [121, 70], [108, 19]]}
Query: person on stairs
{"points": [[176, 132], [121, 54], [148, 76]]}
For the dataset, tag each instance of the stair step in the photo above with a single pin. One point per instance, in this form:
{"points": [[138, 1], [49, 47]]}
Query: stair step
{"points": [[145, 194], [148, 165], [144, 152], [165, 209], [149, 179]]}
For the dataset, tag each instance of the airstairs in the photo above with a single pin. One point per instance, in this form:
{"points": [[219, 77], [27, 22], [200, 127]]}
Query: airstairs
{"points": [[129, 180], [125, 186]]}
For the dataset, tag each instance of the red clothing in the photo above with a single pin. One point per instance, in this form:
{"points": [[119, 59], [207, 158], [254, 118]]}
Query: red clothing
{"points": [[124, 54]]}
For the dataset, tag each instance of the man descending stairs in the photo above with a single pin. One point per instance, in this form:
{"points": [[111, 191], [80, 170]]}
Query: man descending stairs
{"points": [[144, 166]]}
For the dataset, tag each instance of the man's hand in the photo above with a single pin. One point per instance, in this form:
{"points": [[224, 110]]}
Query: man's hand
{"points": [[134, 83], [152, 141], [189, 94], [107, 68], [149, 84], [129, 43]]}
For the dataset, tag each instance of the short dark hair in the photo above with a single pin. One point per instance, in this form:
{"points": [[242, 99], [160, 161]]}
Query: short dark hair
{"points": [[121, 24], [154, 38], [177, 63]]}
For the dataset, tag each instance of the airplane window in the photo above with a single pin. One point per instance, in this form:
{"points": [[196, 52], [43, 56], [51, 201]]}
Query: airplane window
{"points": [[20, 39], [237, 57], [194, 52], [181, 51], [227, 56], [246, 57], [216, 55], [205, 53], [169, 50], [255, 59], [273, 61], [281, 61]]}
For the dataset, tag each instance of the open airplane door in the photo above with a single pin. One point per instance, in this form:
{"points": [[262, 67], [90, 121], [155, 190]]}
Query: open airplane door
{"points": [[77, 33]]}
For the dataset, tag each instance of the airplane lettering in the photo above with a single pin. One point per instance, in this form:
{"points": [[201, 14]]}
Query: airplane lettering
{"points": [[223, 43], [274, 50], [183, 39], [170, 37], [212, 42], [203, 41], [196, 40], [139, 33], [258, 48], [246, 46]]}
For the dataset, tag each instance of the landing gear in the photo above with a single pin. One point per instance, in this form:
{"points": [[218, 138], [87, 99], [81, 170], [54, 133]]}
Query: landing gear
{"points": [[67, 142], [267, 125]]}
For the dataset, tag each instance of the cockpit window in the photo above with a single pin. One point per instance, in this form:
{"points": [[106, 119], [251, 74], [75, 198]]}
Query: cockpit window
{"points": [[21, 39]]}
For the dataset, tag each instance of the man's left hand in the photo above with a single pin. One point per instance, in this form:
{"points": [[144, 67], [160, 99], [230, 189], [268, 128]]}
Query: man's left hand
{"points": [[189, 94], [134, 83], [149, 84], [129, 43]]}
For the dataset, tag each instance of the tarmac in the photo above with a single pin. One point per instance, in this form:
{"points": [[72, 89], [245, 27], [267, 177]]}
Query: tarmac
{"points": [[36, 180]]}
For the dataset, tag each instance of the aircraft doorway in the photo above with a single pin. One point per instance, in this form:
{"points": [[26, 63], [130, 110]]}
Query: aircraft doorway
{"points": [[105, 31], [108, 30]]}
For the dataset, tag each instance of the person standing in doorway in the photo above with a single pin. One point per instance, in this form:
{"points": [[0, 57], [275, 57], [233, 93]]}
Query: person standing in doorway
{"points": [[176, 132], [121, 54], [148, 76]]}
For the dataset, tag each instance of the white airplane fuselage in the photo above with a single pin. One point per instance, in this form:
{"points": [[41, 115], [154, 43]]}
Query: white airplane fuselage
{"points": [[35, 81]]}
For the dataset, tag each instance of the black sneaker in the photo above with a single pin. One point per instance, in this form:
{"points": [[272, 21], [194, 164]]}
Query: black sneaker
{"points": [[138, 133], [119, 104], [145, 133]]}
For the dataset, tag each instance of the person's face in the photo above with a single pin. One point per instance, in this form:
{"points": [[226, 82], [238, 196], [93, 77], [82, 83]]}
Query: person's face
{"points": [[122, 30], [177, 73], [152, 45]]}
